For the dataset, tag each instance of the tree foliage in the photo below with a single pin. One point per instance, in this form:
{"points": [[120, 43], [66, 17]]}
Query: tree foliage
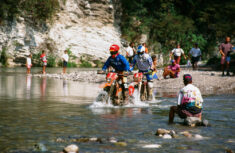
{"points": [[174, 21]]}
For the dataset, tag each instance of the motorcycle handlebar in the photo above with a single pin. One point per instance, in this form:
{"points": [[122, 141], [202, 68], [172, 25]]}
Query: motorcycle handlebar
{"points": [[119, 74]]}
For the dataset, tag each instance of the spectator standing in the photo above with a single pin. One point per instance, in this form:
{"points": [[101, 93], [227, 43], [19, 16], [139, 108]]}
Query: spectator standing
{"points": [[225, 49], [195, 55], [177, 54], [146, 48], [130, 52]]}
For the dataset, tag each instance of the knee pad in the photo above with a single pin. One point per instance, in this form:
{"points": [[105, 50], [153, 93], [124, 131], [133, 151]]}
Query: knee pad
{"points": [[125, 86], [150, 84]]}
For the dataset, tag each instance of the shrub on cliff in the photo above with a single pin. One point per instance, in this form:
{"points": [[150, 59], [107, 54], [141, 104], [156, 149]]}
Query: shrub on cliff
{"points": [[34, 10], [3, 57]]}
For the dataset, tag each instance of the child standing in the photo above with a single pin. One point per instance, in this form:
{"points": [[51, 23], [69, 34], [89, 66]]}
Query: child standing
{"points": [[44, 61], [29, 63], [65, 59]]}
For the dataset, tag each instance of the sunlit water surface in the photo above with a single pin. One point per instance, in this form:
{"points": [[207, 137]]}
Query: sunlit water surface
{"points": [[40, 110]]}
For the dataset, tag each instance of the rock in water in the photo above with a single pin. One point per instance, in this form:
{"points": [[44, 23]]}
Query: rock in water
{"points": [[198, 137], [187, 134], [205, 123], [167, 136], [71, 149], [152, 146], [162, 131], [192, 121], [122, 144], [40, 147]]}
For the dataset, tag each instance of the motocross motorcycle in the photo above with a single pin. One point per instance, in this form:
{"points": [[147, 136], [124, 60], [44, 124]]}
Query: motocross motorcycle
{"points": [[140, 82], [113, 90]]}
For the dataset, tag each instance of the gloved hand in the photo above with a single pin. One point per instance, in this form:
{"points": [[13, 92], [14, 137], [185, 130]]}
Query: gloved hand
{"points": [[131, 69], [100, 72]]}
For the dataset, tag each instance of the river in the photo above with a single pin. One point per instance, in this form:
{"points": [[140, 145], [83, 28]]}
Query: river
{"points": [[40, 110]]}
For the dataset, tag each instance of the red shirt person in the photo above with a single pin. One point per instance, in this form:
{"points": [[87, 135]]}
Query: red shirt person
{"points": [[44, 61]]}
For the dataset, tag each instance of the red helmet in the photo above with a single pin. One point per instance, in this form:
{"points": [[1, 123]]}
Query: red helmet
{"points": [[114, 48]]}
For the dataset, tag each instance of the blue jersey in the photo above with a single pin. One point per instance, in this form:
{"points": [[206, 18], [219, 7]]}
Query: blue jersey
{"points": [[119, 63]]}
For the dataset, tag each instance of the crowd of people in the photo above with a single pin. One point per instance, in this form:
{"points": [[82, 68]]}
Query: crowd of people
{"points": [[189, 98]]}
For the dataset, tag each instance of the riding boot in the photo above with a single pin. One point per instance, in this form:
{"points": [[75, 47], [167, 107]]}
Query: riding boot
{"points": [[125, 93], [142, 93], [150, 91], [126, 97]]}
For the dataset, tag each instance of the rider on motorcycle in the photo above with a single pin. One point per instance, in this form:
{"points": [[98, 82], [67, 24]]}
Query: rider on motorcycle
{"points": [[145, 64], [121, 66]]}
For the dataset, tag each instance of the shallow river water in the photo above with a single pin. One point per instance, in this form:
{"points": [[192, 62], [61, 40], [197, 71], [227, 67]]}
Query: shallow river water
{"points": [[36, 110]]}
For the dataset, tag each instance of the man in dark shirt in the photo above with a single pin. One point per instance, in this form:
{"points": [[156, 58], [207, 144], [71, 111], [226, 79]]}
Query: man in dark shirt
{"points": [[225, 49]]}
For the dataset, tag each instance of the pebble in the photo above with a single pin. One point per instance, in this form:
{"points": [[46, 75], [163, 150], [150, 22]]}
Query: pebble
{"points": [[162, 131], [40, 147], [71, 149], [198, 137], [167, 136], [122, 144], [93, 139], [152, 146], [186, 134], [112, 140]]}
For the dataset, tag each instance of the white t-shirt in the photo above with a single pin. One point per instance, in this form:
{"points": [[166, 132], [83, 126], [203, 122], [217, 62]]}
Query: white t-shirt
{"points": [[177, 51], [195, 52], [65, 57], [190, 94], [29, 61], [130, 51]]}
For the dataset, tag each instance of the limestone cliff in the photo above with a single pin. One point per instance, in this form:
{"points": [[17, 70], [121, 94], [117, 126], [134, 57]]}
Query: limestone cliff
{"points": [[87, 27]]}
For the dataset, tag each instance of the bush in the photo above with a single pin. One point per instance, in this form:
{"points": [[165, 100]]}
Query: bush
{"points": [[51, 60], [85, 64], [36, 60], [213, 61], [70, 64], [98, 63], [36, 10], [3, 57]]}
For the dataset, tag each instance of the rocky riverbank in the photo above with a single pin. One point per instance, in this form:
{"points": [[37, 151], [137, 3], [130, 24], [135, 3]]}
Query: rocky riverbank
{"points": [[209, 82]]}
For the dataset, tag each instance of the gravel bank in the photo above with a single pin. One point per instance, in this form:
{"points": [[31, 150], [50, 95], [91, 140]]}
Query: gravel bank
{"points": [[209, 82]]}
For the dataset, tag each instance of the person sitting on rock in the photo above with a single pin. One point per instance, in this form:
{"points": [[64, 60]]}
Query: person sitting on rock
{"points": [[121, 66], [172, 70], [145, 64], [189, 101]]}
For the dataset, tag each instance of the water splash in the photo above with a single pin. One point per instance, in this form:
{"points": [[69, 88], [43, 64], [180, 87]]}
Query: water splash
{"points": [[135, 101]]}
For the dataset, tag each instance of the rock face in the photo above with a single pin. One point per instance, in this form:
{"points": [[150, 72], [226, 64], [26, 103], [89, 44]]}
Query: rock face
{"points": [[86, 27]]}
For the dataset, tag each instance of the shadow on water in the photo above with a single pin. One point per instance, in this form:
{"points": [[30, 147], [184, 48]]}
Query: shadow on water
{"points": [[40, 110]]}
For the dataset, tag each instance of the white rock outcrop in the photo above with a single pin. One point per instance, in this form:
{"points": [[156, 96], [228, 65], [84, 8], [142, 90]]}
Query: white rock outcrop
{"points": [[84, 26]]}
